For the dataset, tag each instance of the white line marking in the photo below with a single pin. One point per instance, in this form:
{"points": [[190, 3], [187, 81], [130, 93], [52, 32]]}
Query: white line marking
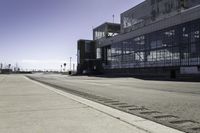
{"points": [[99, 84]]}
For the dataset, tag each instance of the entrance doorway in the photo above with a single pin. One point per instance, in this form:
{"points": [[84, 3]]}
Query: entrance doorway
{"points": [[173, 74]]}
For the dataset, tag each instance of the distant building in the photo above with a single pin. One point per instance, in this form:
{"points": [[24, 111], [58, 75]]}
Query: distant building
{"points": [[156, 37], [5, 71]]}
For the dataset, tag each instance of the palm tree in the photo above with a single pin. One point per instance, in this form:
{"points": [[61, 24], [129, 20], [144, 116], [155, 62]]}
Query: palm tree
{"points": [[9, 66]]}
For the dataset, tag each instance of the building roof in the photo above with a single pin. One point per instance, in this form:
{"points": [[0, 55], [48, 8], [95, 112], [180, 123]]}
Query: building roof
{"points": [[107, 23]]}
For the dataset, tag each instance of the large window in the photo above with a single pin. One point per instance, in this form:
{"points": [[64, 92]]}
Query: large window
{"points": [[174, 46]]}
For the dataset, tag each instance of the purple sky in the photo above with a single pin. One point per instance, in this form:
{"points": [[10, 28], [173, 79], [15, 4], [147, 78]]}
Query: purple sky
{"points": [[43, 33]]}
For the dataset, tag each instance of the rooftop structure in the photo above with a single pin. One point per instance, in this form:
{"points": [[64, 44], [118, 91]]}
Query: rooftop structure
{"points": [[106, 30]]}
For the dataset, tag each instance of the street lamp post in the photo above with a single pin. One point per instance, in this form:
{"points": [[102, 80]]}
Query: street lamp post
{"points": [[70, 63], [73, 67]]}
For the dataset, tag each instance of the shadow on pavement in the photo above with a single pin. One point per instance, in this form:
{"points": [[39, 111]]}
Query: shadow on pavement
{"points": [[184, 78]]}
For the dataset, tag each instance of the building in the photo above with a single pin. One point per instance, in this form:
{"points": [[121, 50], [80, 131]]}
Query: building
{"points": [[5, 71], [86, 57], [156, 37]]}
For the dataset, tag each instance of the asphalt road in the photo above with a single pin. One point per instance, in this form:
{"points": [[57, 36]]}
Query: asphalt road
{"points": [[181, 99]]}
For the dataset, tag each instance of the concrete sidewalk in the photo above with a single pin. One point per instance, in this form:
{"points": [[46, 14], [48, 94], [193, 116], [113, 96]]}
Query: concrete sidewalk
{"points": [[28, 107]]}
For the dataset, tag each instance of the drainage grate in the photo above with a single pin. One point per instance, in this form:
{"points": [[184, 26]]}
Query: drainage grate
{"points": [[119, 103], [165, 116], [149, 112], [127, 106], [111, 102], [104, 100], [196, 128], [183, 123], [140, 108]]}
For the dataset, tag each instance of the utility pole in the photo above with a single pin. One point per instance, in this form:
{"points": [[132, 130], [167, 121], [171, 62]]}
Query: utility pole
{"points": [[1, 65], [70, 63], [113, 18], [73, 67], [61, 68]]}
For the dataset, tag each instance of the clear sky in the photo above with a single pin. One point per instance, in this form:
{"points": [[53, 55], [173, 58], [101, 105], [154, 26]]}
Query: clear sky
{"points": [[42, 34]]}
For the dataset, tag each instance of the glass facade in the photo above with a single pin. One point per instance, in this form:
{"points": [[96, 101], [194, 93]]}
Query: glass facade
{"points": [[153, 10], [175, 46]]}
